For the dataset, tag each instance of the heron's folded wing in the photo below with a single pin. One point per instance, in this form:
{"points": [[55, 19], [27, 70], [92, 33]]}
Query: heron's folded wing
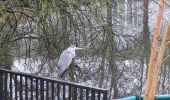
{"points": [[64, 61]]}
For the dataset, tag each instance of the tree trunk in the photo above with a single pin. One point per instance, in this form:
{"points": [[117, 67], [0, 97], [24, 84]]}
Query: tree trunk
{"points": [[101, 68], [153, 50], [63, 17], [159, 61], [168, 86], [6, 59], [146, 33], [145, 40], [111, 50]]}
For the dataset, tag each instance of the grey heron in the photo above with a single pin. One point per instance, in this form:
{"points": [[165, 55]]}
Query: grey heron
{"points": [[66, 59]]}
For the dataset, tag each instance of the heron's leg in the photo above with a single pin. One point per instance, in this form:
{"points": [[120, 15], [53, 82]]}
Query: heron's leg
{"points": [[78, 69], [71, 72], [62, 75]]}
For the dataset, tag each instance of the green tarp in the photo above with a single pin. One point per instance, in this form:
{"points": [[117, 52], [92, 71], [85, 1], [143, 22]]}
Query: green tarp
{"points": [[160, 97]]}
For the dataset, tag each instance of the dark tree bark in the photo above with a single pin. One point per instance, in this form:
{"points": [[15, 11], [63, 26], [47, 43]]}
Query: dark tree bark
{"points": [[111, 49], [145, 41]]}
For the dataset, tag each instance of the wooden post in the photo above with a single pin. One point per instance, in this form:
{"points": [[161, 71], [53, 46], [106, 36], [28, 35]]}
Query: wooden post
{"points": [[1, 86]]}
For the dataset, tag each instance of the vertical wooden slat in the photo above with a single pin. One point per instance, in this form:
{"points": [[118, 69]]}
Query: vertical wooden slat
{"points": [[69, 95], [87, 94], [16, 87], [26, 88], [98, 95], [42, 89], [5, 87], [31, 88], [105, 95], [64, 92], [58, 91], [52, 87], [20, 92], [75, 93], [47, 91], [36, 89], [10, 85], [93, 94], [81, 94], [1, 85]]}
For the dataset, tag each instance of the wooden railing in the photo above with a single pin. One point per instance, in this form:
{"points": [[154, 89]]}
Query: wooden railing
{"points": [[21, 86]]}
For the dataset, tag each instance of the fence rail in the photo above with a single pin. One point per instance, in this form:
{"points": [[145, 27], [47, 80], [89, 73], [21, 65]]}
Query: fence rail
{"points": [[21, 86]]}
